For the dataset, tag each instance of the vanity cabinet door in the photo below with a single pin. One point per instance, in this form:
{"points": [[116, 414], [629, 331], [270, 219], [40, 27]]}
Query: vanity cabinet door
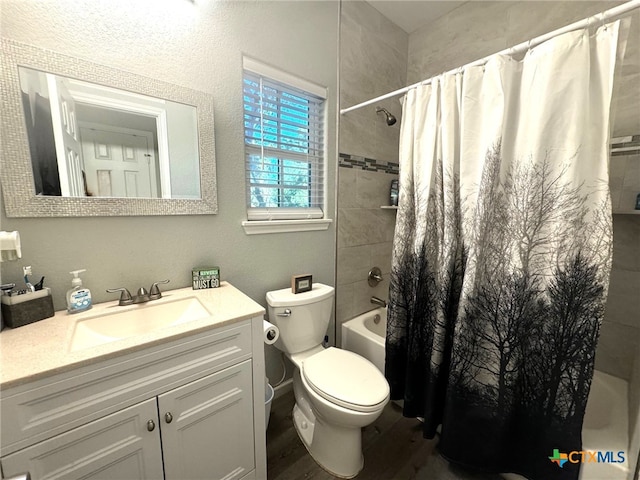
{"points": [[207, 426], [120, 446]]}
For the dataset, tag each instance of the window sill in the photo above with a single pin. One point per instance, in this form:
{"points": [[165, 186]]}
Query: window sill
{"points": [[258, 227]]}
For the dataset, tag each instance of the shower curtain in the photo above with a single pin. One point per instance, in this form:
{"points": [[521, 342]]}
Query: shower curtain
{"points": [[502, 252]]}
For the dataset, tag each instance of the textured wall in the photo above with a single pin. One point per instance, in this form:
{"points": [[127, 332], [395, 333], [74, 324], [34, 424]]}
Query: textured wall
{"points": [[373, 56], [198, 45]]}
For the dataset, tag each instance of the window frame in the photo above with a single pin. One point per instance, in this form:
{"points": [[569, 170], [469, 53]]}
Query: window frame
{"points": [[286, 219]]}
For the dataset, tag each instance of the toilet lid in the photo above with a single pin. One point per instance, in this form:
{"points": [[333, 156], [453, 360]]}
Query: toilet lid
{"points": [[347, 379]]}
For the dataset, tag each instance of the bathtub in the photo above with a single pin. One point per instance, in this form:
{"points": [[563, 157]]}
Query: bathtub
{"points": [[365, 335], [606, 420]]}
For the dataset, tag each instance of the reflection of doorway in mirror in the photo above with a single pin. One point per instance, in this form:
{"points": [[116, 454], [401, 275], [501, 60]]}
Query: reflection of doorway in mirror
{"points": [[65, 132], [119, 162], [59, 166]]}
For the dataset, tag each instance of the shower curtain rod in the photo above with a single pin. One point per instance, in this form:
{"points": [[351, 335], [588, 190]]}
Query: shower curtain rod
{"points": [[600, 17]]}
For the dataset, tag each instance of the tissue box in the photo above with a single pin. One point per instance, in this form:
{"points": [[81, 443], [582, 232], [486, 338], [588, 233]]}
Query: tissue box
{"points": [[205, 277], [19, 310]]}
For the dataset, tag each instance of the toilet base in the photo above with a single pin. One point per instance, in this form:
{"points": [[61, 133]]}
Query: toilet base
{"points": [[338, 450]]}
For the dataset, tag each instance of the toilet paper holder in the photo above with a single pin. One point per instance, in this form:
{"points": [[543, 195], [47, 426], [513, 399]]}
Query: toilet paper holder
{"points": [[271, 332]]}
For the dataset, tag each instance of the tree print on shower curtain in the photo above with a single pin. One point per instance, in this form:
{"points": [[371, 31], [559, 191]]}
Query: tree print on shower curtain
{"points": [[501, 256]]}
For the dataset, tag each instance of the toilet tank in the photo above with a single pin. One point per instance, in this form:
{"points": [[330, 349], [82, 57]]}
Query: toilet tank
{"points": [[306, 325]]}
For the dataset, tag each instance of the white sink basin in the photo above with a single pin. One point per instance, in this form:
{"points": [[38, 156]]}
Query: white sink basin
{"points": [[135, 320]]}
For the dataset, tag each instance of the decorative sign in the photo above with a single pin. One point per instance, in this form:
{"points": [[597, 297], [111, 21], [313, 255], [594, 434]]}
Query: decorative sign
{"points": [[301, 283]]}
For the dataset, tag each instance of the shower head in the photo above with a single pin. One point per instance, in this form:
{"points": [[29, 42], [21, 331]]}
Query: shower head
{"points": [[390, 118]]}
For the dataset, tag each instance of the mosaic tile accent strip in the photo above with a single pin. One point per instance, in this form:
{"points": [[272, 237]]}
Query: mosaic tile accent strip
{"points": [[629, 145], [355, 161]]}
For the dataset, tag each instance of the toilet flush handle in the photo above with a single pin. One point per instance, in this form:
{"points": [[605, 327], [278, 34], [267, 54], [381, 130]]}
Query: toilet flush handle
{"points": [[286, 313]]}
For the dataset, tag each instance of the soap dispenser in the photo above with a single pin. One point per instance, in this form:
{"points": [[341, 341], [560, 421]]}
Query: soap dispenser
{"points": [[78, 298]]}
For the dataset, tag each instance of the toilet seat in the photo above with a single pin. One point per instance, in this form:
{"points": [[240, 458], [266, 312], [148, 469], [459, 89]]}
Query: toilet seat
{"points": [[346, 379]]}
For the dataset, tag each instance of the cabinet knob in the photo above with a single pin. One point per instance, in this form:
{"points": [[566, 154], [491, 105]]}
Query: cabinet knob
{"points": [[168, 417], [151, 425]]}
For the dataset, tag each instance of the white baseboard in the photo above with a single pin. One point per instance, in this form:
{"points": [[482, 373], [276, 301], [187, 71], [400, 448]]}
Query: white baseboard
{"points": [[282, 389]]}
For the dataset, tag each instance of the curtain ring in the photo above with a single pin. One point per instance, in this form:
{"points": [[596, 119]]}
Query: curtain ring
{"points": [[602, 16]]}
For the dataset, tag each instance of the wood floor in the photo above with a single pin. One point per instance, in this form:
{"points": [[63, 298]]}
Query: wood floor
{"points": [[393, 449]]}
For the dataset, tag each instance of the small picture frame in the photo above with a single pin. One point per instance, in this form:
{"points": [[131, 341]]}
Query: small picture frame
{"points": [[301, 283]]}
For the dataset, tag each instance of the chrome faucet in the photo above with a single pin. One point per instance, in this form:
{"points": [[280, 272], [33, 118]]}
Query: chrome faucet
{"points": [[154, 291], [374, 277], [125, 296], [378, 301], [142, 295]]}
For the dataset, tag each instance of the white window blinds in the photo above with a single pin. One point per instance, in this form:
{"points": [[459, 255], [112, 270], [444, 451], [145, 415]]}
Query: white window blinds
{"points": [[284, 150]]}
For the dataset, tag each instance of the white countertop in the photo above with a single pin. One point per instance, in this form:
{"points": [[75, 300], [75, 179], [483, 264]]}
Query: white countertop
{"points": [[42, 348]]}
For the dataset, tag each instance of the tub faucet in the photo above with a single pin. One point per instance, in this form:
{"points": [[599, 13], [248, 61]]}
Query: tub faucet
{"points": [[378, 301]]}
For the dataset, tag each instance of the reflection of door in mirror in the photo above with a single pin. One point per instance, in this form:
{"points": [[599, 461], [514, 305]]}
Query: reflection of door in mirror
{"points": [[51, 121], [119, 163], [149, 148], [39, 126], [65, 134]]}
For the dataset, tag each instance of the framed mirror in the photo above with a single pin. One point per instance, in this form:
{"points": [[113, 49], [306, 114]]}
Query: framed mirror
{"points": [[82, 139]]}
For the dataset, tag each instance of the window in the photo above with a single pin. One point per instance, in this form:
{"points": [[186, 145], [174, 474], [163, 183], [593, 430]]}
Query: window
{"points": [[284, 145]]}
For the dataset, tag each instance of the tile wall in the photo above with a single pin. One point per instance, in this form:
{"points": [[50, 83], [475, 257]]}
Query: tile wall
{"points": [[365, 233], [634, 416], [477, 29], [624, 177], [373, 61], [620, 332], [372, 58]]}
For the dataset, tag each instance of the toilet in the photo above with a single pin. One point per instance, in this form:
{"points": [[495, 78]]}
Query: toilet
{"points": [[337, 392]]}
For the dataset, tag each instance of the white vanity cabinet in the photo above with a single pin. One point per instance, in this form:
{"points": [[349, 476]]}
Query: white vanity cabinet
{"points": [[178, 410], [207, 426], [116, 446]]}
